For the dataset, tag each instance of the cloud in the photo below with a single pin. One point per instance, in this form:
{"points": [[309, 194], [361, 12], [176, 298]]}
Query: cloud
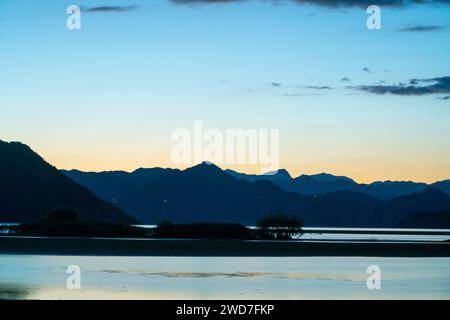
{"points": [[300, 95], [422, 28], [329, 3], [318, 87], [291, 95], [110, 8], [415, 87], [366, 70], [276, 84], [444, 98], [346, 79]]}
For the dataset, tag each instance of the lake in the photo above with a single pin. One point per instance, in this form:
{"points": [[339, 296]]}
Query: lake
{"points": [[44, 277], [339, 234]]}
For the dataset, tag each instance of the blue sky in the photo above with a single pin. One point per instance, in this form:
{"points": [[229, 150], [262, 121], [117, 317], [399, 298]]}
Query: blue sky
{"points": [[109, 95]]}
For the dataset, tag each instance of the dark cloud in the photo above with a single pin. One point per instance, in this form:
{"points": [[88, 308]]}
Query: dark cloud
{"points": [[331, 3], [318, 87], [276, 84], [415, 87], [110, 8], [444, 98], [346, 79], [422, 28], [301, 95], [204, 1], [366, 70]]}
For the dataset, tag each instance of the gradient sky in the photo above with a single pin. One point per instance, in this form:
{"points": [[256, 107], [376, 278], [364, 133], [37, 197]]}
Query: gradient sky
{"points": [[109, 96]]}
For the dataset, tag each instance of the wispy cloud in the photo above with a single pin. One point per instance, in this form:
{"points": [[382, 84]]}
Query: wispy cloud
{"points": [[110, 8], [346, 79], [330, 3], [415, 87], [367, 70], [422, 28], [275, 84], [317, 87]]}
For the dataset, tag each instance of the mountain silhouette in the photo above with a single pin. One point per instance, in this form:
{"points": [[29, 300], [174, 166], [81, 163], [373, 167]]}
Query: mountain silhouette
{"points": [[206, 193], [324, 183], [442, 185], [392, 189], [429, 220], [429, 200], [30, 188], [112, 186]]}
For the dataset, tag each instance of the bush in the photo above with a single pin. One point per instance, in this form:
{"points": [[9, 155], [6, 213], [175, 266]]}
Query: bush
{"points": [[279, 226], [203, 231], [65, 222], [61, 215]]}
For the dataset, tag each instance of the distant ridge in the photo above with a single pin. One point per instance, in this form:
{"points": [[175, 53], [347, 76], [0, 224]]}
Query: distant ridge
{"points": [[325, 182], [30, 188], [429, 220], [304, 184], [206, 193]]}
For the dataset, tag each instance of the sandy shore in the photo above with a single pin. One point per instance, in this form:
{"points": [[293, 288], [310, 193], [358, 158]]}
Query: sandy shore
{"points": [[237, 248]]}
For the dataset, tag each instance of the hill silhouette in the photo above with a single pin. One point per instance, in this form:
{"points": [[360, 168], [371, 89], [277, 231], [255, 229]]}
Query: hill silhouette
{"points": [[206, 193], [111, 186], [429, 220], [30, 188], [324, 183]]}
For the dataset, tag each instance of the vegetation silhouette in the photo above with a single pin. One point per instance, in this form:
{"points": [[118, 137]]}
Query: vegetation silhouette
{"points": [[166, 229], [272, 227], [65, 222], [279, 226]]}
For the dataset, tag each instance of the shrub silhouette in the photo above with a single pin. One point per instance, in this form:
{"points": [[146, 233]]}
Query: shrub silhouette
{"points": [[279, 226]]}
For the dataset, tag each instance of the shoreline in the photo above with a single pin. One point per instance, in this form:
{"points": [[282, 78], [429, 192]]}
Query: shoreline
{"points": [[219, 248]]}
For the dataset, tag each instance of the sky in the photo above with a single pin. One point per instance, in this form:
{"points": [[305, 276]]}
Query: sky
{"points": [[369, 104]]}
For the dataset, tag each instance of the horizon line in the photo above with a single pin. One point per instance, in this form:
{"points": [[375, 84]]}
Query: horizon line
{"points": [[250, 174]]}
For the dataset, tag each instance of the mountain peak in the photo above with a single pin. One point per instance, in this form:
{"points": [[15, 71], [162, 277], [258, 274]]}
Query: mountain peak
{"points": [[280, 174], [434, 191], [204, 167], [327, 177]]}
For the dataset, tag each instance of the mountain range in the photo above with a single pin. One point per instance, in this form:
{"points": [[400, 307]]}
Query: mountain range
{"points": [[110, 184], [207, 193], [30, 188], [324, 182]]}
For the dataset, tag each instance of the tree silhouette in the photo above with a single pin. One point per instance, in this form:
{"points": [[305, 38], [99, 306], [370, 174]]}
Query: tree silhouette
{"points": [[280, 226]]}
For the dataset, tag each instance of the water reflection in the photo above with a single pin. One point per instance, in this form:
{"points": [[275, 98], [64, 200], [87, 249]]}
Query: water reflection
{"points": [[44, 277]]}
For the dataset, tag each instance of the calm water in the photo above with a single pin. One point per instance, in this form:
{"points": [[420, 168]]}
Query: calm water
{"points": [[372, 237], [368, 234], [347, 233], [44, 277]]}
